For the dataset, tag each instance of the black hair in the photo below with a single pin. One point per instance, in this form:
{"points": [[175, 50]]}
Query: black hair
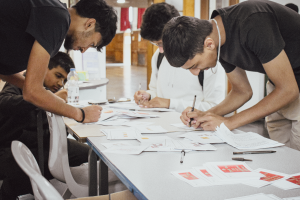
{"points": [[183, 37], [154, 20], [63, 60], [292, 6], [105, 16]]}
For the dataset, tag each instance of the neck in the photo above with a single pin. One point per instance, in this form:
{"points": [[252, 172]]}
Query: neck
{"points": [[74, 20]]}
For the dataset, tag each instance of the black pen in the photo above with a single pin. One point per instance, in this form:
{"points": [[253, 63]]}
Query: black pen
{"points": [[253, 152], [182, 156], [241, 159], [193, 110]]}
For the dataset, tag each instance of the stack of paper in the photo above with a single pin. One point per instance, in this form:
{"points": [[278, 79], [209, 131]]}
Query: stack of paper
{"points": [[270, 178], [245, 140], [289, 182], [260, 196]]}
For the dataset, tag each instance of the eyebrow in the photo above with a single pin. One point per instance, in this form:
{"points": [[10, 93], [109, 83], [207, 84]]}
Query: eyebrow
{"points": [[190, 67]]}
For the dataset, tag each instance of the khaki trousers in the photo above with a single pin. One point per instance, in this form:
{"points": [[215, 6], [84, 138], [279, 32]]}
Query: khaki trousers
{"points": [[284, 125]]}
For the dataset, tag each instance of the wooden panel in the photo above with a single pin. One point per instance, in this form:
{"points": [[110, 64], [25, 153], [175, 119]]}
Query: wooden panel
{"points": [[158, 1], [204, 9], [150, 53], [189, 8]]}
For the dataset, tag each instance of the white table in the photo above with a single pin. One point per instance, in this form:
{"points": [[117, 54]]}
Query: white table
{"points": [[148, 175]]}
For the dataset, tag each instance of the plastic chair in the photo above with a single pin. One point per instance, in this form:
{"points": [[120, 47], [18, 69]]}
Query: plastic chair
{"points": [[42, 189], [58, 158]]}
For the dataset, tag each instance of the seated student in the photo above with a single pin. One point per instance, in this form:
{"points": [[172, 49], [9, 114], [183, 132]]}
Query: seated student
{"points": [[18, 121], [169, 87]]}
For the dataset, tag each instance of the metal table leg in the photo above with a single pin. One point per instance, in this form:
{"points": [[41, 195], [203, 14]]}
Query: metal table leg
{"points": [[103, 178], [92, 173]]}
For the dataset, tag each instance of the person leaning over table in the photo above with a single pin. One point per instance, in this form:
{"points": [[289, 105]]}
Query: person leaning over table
{"points": [[168, 85], [18, 121], [255, 36], [32, 31]]}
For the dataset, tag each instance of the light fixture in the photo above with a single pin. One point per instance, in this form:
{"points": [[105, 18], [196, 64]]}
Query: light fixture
{"points": [[121, 1]]}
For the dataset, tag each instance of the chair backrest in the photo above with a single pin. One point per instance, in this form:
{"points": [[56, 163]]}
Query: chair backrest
{"points": [[42, 189], [58, 156]]}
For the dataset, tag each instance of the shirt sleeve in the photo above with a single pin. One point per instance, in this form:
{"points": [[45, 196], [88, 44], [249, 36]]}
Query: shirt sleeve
{"points": [[49, 26], [153, 80], [262, 36]]}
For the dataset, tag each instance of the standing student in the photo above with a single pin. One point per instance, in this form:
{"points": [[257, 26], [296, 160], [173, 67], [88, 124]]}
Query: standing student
{"points": [[32, 31], [168, 85], [18, 121], [255, 36]]}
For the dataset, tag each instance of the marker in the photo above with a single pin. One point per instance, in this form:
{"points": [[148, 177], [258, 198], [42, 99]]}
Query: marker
{"points": [[253, 152], [241, 159], [193, 110], [182, 156]]}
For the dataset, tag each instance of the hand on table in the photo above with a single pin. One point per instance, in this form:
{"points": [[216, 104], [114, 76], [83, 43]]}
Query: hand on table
{"points": [[62, 94], [156, 102], [92, 113], [141, 96]]}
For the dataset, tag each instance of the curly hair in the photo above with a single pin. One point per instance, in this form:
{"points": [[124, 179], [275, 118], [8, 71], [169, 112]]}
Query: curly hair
{"points": [[63, 60], [105, 16], [154, 20], [183, 37]]}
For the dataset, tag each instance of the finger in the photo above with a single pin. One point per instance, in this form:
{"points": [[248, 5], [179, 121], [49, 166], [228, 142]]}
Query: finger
{"points": [[184, 120]]}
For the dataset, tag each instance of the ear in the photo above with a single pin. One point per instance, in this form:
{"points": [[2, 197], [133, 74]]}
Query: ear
{"points": [[90, 24], [209, 43]]}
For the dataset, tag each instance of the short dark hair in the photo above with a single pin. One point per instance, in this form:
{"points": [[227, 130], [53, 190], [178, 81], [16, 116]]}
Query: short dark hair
{"points": [[155, 18], [105, 16], [63, 60], [292, 6], [183, 37]]}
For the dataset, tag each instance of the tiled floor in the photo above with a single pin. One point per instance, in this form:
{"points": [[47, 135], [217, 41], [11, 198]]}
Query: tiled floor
{"points": [[124, 80]]}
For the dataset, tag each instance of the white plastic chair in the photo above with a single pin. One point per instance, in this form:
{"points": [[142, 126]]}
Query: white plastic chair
{"points": [[58, 158], [42, 189]]}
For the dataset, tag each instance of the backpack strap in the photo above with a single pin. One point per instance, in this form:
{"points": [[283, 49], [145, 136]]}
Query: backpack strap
{"points": [[159, 59]]}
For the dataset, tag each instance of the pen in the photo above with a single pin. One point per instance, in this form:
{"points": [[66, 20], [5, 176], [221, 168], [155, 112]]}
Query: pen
{"points": [[193, 110], [182, 156], [241, 159], [253, 152]]}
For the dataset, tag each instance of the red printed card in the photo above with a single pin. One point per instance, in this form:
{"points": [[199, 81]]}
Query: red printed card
{"points": [[233, 168], [295, 180], [188, 176], [270, 177], [205, 172]]}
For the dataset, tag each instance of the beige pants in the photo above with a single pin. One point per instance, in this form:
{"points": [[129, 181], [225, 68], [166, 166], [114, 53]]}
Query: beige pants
{"points": [[284, 125]]}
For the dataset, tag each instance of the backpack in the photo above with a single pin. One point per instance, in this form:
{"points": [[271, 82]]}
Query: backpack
{"points": [[200, 75]]}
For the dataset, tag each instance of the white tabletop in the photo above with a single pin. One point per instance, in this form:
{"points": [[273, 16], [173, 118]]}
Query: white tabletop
{"points": [[93, 84], [148, 174]]}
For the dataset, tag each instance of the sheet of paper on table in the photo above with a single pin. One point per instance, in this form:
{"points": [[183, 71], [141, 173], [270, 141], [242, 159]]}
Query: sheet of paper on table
{"points": [[119, 134], [192, 145], [191, 177], [289, 182], [183, 126], [150, 129], [204, 137], [135, 107], [270, 178], [260, 196], [113, 144], [245, 140]]}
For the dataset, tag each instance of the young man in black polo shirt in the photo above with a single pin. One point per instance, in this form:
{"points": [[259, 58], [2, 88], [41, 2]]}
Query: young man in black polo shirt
{"points": [[255, 36], [32, 31], [18, 121]]}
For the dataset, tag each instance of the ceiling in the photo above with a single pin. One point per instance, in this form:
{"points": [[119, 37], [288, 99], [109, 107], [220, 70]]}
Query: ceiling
{"points": [[133, 3]]}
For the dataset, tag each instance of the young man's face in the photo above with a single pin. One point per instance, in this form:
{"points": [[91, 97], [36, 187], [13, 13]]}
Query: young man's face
{"points": [[55, 78], [201, 61], [82, 40], [159, 44]]}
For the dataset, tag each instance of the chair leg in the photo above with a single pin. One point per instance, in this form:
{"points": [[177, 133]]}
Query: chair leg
{"points": [[93, 173], [66, 194]]}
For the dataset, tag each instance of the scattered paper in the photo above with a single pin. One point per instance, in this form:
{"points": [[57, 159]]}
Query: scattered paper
{"points": [[151, 129], [204, 137], [191, 177], [126, 149], [183, 126], [113, 144], [289, 182]]}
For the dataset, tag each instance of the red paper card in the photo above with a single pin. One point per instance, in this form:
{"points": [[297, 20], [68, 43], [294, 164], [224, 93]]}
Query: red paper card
{"points": [[270, 177], [188, 176], [233, 168], [295, 180], [205, 172]]}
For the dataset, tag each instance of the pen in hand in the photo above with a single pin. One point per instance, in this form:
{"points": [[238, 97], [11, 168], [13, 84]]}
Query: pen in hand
{"points": [[193, 110], [182, 156]]}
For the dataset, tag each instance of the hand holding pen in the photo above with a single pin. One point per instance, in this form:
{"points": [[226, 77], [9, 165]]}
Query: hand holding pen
{"points": [[192, 111]]}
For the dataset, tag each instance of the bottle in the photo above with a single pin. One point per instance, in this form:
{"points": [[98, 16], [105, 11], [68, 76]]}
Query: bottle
{"points": [[73, 87]]}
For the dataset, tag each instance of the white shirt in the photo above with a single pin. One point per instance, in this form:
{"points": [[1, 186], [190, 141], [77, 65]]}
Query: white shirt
{"points": [[180, 86]]}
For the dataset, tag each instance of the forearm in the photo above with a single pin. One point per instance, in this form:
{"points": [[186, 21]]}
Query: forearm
{"points": [[15, 79], [270, 104]]}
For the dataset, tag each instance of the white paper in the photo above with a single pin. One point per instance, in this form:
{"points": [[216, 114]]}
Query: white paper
{"points": [[133, 106], [259, 196], [191, 145], [183, 126], [289, 182], [119, 134], [204, 137], [151, 129], [191, 177], [270, 178], [113, 144], [245, 140], [126, 149]]}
